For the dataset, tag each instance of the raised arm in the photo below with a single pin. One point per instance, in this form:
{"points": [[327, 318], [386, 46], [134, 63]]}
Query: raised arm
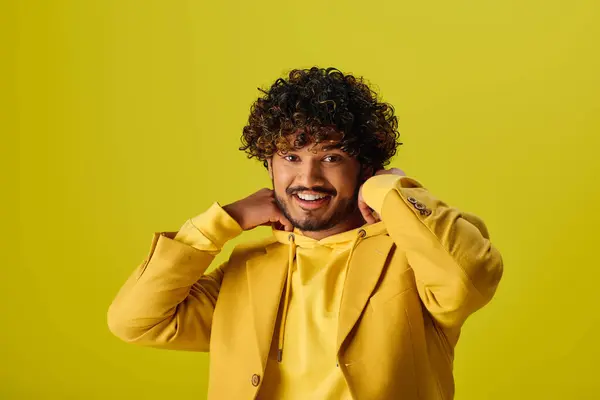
{"points": [[168, 301], [456, 267]]}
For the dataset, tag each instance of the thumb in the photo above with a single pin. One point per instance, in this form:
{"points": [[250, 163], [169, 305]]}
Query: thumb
{"points": [[287, 225], [367, 213], [279, 219], [365, 210]]}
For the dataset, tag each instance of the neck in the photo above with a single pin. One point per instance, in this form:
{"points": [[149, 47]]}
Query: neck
{"points": [[352, 222]]}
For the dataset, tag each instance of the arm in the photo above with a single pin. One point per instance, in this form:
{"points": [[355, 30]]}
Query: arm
{"points": [[168, 301], [457, 269]]}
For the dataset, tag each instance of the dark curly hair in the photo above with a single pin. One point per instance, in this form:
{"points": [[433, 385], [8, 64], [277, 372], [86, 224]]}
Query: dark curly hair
{"points": [[320, 104]]}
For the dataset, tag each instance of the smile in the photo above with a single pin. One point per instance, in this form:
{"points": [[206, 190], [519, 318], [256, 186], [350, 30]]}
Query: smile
{"points": [[311, 201], [311, 197]]}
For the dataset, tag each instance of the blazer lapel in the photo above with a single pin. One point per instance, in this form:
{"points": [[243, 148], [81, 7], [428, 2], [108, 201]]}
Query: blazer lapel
{"points": [[362, 276], [266, 280]]}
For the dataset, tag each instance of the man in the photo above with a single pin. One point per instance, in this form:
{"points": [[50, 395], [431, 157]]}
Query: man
{"points": [[362, 289]]}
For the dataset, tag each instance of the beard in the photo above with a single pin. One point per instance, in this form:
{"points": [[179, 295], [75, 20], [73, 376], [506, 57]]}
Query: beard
{"points": [[311, 223]]}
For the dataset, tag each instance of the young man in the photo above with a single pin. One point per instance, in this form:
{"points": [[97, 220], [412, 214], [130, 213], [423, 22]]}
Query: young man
{"points": [[362, 289]]}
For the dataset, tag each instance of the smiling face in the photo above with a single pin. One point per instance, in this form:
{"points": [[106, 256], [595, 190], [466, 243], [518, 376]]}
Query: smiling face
{"points": [[316, 187]]}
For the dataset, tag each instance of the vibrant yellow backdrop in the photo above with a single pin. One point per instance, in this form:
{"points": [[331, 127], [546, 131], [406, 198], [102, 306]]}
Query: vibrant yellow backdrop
{"points": [[121, 118]]}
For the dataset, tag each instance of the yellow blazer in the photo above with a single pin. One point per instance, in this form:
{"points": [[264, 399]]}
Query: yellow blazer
{"points": [[406, 297]]}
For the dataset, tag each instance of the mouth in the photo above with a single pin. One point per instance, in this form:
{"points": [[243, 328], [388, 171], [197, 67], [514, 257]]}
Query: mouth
{"points": [[311, 201]]}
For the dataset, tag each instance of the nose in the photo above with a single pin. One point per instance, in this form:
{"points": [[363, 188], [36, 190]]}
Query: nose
{"points": [[311, 174]]}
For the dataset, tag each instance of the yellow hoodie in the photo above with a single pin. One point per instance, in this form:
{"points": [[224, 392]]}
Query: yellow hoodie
{"points": [[308, 368]]}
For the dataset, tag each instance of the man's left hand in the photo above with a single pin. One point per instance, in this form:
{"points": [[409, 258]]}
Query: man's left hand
{"points": [[368, 214]]}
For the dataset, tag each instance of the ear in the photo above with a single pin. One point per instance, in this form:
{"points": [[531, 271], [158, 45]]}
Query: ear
{"points": [[270, 167]]}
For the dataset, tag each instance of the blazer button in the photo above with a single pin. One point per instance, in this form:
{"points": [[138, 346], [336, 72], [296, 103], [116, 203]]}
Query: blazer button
{"points": [[255, 380], [412, 200]]}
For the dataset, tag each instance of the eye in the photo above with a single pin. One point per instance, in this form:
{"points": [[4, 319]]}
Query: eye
{"points": [[332, 158], [291, 158]]}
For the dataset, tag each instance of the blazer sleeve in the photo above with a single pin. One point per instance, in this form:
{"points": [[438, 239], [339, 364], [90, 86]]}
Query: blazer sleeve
{"points": [[168, 301], [456, 267]]}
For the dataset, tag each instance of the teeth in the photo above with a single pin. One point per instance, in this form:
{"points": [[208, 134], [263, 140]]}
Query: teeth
{"points": [[311, 197]]}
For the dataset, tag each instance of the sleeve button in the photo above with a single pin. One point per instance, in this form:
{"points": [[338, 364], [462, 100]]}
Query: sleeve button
{"points": [[255, 380]]}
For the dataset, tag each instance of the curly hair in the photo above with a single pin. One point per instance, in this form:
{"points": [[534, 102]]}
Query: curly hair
{"points": [[320, 104]]}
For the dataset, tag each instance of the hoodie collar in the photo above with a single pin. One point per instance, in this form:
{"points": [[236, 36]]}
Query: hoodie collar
{"points": [[342, 239]]}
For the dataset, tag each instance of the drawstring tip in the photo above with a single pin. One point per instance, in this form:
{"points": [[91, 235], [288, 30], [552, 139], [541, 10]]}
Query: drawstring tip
{"points": [[279, 355]]}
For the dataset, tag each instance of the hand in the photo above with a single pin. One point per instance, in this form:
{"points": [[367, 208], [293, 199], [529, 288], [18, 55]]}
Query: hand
{"points": [[258, 209], [368, 214]]}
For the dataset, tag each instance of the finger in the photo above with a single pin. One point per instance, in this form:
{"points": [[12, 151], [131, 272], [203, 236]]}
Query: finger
{"points": [[278, 218], [366, 212], [369, 218], [279, 225], [391, 171], [376, 216], [364, 209], [288, 226]]}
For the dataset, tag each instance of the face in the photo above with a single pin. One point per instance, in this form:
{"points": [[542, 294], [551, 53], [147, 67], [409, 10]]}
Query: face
{"points": [[316, 187]]}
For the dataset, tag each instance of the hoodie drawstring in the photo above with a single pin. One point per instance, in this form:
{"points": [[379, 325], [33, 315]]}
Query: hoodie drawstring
{"points": [[288, 284]]}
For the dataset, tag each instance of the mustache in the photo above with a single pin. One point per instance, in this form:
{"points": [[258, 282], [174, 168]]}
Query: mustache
{"points": [[317, 189]]}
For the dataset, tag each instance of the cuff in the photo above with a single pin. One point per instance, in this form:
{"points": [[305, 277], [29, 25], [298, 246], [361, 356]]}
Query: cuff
{"points": [[209, 230], [377, 187]]}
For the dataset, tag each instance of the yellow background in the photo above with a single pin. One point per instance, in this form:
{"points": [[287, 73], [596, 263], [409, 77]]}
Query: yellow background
{"points": [[121, 118]]}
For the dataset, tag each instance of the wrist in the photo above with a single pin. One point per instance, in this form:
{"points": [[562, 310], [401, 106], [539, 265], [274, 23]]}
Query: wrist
{"points": [[231, 209]]}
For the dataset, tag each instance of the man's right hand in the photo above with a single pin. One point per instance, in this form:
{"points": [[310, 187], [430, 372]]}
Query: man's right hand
{"points": [[258, 209]]}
